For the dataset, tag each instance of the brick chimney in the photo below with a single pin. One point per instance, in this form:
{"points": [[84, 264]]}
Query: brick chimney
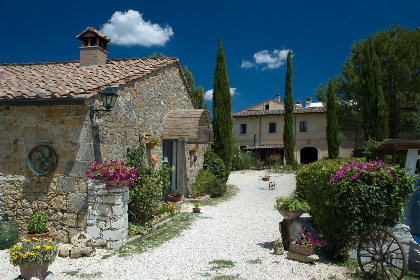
{"points": [[308, 102], [278, 97], [93, 50], [298, 104]]}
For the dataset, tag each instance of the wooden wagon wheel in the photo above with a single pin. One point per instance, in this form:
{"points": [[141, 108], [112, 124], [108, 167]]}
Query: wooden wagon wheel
{"points": [[381, 255]]}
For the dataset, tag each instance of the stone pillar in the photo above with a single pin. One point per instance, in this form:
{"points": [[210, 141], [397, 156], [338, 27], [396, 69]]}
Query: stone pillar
{"points": [[107, 220], [289, 230]]}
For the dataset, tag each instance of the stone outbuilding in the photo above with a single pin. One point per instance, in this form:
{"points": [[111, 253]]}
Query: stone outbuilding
{"points": [[52, 114]]}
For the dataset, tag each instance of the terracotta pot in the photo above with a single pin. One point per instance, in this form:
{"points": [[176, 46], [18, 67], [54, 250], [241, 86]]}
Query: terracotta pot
{"points": [[291, 214], [150, 145], [196, 210], [192, 152], [304, 250], [265, 178], [39, 271], [46, 234], [174, 198]]}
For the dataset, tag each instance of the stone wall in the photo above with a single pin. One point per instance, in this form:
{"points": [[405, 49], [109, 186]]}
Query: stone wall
{"points": [[79, 141], [107, 216]]}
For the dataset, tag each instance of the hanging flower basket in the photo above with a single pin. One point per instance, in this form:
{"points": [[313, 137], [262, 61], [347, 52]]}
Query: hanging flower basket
{"points": [[150, 145]]}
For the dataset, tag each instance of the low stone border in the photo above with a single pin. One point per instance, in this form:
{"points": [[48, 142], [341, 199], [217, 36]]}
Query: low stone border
{"points": [[199, 200]]}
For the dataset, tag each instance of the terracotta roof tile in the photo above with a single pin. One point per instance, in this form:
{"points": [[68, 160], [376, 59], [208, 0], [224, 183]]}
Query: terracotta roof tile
{"points": [[67, 79]]}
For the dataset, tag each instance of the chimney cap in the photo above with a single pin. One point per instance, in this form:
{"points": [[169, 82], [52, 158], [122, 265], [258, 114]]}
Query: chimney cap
{"points": [[90, 29]]}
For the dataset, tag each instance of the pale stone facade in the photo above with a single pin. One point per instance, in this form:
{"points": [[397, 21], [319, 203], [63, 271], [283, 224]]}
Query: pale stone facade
{"points": [[260, 130]]}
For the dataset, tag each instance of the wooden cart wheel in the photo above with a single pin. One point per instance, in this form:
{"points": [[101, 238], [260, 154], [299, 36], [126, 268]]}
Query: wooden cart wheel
{"points": [[381, 255]]}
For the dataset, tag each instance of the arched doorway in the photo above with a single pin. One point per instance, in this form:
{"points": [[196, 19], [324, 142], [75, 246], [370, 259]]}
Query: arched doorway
{"points": [[308, 155]]}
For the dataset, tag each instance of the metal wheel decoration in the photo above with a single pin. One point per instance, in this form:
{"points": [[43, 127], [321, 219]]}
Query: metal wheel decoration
{"points": [[381, 255], [42, 160]]}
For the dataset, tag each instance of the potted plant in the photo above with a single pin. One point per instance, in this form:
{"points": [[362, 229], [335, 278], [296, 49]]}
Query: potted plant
{"points": [[175, 196], [152, 142], [196, 208], [291, 207], [306, 244], [33, 257], [193, 151], [266, 177], [37, 226], [114, 171]]}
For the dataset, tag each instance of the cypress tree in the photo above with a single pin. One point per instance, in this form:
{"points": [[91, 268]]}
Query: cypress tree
{"points": [[288, 138], [375, 115], [222, 112], [332, 124]]}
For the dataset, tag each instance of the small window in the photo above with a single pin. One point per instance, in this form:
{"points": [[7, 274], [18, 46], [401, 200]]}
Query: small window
{"points": [[243, 128], [267, 106], [304, 126], [272, 127]]}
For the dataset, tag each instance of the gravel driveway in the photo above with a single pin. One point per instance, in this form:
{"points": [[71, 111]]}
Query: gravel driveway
{"points": [[240, 230]]}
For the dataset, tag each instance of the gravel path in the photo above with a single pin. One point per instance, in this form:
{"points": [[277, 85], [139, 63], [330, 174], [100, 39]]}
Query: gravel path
{"points": [[240, 230]]}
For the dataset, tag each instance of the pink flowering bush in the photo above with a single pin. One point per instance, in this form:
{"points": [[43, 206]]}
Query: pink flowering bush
{"points": [[115, 171], [348, 198]]}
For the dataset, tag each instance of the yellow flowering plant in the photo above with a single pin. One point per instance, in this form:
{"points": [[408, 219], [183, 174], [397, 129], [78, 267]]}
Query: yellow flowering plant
{"points": [[33, 251]]}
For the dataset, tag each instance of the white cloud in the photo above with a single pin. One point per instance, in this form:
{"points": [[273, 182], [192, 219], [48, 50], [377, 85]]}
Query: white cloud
{"points": [[267, 59], [247, 64], [209, 94], [129, 28]]}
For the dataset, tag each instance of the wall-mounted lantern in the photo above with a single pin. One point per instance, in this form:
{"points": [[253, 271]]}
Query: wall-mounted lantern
{"points": [[109, 96]]}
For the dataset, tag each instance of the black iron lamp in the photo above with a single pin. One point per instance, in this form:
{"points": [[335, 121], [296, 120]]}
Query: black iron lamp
{"points": [[109, 96]]}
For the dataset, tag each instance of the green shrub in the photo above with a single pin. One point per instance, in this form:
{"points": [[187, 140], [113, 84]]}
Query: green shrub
{"points": [[202, 180], [215, 164], [348, 199], [146, 193], [216, 188]]}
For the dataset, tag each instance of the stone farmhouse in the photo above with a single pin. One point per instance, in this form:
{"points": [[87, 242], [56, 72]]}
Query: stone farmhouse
{"points": [[259, 129], [54, 110]]}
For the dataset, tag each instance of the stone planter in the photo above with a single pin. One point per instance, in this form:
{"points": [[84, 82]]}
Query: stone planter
{"points": [[291, 214], [39, 271], [174, 198], [304, 250], [46, 234]]}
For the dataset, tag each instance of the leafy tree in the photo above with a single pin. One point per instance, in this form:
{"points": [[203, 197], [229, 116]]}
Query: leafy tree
{"points": [[197, 92], [288, 138], [222, 112], [155, 54], [375, 115], [399, 58], [332, 125]]}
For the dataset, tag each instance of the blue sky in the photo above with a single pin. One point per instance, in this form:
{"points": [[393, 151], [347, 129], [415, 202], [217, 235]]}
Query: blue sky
{"points": [[255, 35]]}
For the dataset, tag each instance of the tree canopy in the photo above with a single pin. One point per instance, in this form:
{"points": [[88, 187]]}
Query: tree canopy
{"points": [[399, 62]]}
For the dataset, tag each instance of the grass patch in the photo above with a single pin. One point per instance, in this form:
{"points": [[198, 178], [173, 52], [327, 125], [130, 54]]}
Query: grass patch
{"points": [[256, 261], [231, 191], [164, 233], [71, 273], [90, 275], [219, 264], [226, 277]]}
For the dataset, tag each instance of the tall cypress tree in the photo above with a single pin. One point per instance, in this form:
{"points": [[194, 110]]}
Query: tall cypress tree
{"points": [[374, 108], [288, 138], [222, 112], [332, 124]]}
